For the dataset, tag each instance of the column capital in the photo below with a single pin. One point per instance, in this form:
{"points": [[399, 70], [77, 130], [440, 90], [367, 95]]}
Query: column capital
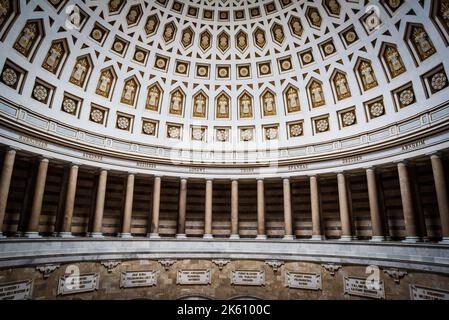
{"points": [[129, 173], [402, 162], [157, 175], [183, 178], [74, 164], [43, 159], [12, 148], [371, 168], [436, 154]]}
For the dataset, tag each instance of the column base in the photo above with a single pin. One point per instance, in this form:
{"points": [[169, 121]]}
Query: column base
{"points": [[261, 237], [208, 236], [346, 238], [289, 237], [445, 240], [32, 235], [65, 235], [2, 236], [234, 237], [154, 236], [410, 239], [377, 239], [317, 237], [96, 235], [425, 239], [125, 235], [181, 236]]}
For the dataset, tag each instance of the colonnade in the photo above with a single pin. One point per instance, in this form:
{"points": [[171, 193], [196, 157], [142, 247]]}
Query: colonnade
{"points": [[347, 232]]}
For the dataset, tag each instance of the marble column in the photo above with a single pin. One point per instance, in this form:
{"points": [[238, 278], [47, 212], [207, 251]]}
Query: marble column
{"points": [[376, 221], [5, 181], [260, 210], [288, 227], [441, 192], [234, 209], [181, 234], [66, 231], [154, 233], [99, 205], [127, 213], [345, 218], [208, 211], [36, 208], [315, 205], [407, 204]]}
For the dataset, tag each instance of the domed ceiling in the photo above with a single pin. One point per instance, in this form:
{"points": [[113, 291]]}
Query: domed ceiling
{"points": [[227, 73]]}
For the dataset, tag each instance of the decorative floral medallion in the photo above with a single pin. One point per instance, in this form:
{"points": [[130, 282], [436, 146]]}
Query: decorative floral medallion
{"points": [[406, 97], [247, 135], [377, 109], [296, 130], [271, 133], [149, 128], [349, 118], [438, 81], [174, 132], [197, 134], [123, 123], [9, 76], [222, 135], [97, 116], [40, 93], [69, 105], [322, 125]]}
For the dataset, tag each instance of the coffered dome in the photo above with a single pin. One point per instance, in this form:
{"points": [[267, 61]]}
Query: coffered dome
{"points": [[175, 78]]}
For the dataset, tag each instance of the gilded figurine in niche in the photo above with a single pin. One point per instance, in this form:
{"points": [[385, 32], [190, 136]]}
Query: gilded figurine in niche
{"points": [[316, 94], [367, 75], [54, 57], [200, 105], [129, 92], [341, 86], [292, 98], [176, 103], [278, 33], [153, 98], [27, 38], [187, 37], [222, 106], [269, 104], [296, 26], [394, 61], [246, 106], [422, 43], [5, 8], [115, 5], [105, 83], [223, 42], [80, 71]]}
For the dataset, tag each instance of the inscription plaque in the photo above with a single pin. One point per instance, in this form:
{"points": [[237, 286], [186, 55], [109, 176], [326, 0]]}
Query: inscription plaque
{"points": [[134, 279], [248, 277], [193, 277], [16, 290], [297, 280], [362, 288], [70, 284], [423, 293]]}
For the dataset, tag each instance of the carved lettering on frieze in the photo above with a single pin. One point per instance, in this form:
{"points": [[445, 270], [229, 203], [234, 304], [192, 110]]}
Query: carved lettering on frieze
{"points": [[92, 156], [247, 170], [354, 159], [396, 274], [167, 263], [331, 268], [413, 145], [34, 141], [110, 264], [297, 167], [275, 264], [143, 164], [197, 170], [46, 269]]}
